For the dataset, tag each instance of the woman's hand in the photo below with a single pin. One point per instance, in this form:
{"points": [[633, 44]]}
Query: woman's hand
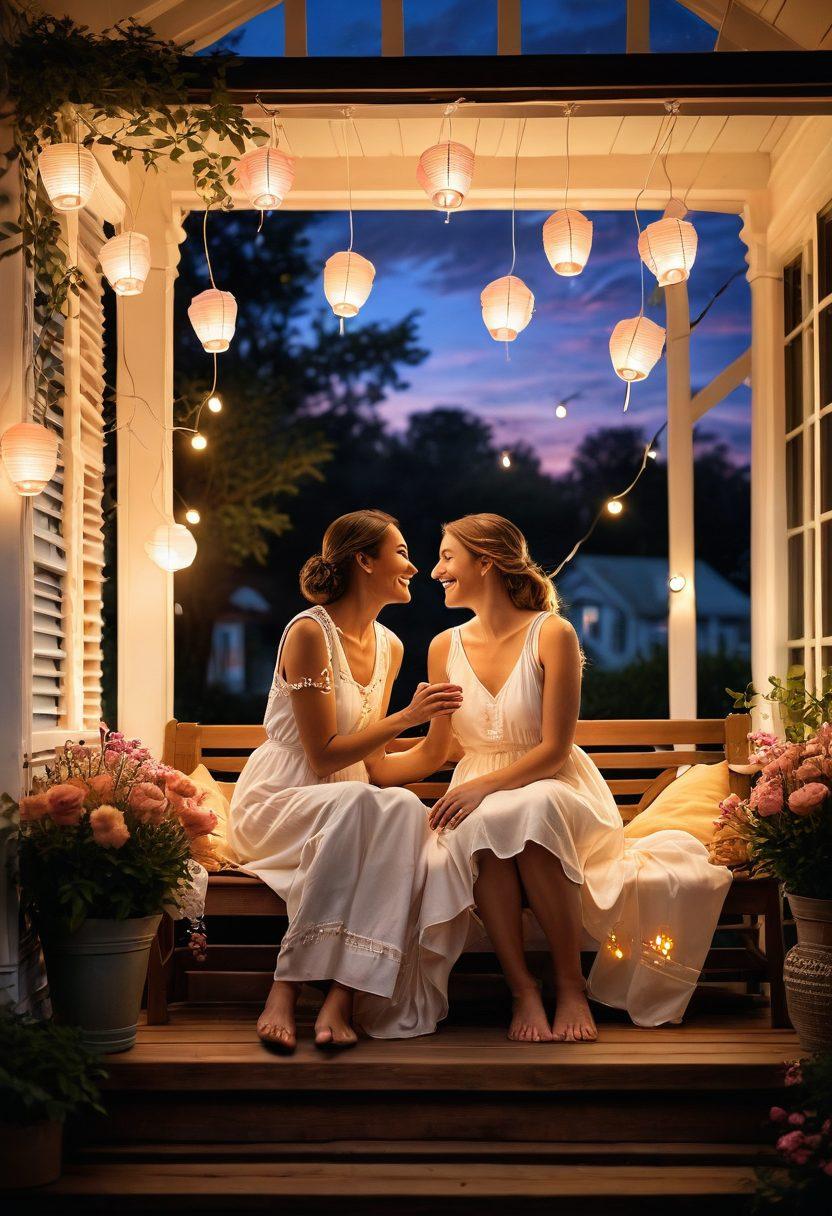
{"points": [[458, 804], [430, 701]]}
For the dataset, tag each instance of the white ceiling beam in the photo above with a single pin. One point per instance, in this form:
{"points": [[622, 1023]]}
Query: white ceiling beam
{"points": [[638, 27], [740, 28], [717, 390], [392, 27], [509, 26]]}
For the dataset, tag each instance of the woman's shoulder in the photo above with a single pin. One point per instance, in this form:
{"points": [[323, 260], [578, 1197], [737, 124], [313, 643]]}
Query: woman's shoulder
{"points": [[440, 644], [393, 640], [556, 633], [306, 630]]}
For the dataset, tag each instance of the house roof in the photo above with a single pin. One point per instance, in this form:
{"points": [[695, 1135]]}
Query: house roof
{"points": [[640, 585]]}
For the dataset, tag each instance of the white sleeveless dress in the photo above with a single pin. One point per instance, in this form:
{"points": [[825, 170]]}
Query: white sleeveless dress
{"points": [[349, 859], [631, 890]]}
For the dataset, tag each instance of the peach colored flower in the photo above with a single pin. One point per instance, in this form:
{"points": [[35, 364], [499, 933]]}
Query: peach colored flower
{"points": [[108, 827], [32, 807], [809, 770], [102, 786], [79, 783], [770, 801], [147, 802], [66, 802], [179, 785], [195, 821], [808, 798]]}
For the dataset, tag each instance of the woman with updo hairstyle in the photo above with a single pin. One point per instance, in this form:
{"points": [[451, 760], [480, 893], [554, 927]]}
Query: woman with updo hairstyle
{"points": [[349, 859], [528, 813]]}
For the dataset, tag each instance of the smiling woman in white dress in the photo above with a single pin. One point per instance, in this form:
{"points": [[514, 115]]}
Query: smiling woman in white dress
{"points": [[528, 810], [348, 858]]}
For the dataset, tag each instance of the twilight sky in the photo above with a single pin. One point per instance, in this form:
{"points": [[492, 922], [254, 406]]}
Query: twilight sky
{"points": [[441, 269]]}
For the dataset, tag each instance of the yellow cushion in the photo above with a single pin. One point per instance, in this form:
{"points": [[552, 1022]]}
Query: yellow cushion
{"points": [[213, 851], [690, 804]]}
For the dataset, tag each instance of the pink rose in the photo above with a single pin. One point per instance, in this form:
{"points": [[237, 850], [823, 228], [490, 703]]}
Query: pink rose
{"points": [[770, 799], [66, 802], [794, 1074], [102, 786], [808, 798], [809, 770], [108, 827], [777, 1114], [179, 785], [195, 821], [789, 1142], [729, 806], [33, 807], [147, 802], [800, 1156], [797, 1119], [826, 1166]]}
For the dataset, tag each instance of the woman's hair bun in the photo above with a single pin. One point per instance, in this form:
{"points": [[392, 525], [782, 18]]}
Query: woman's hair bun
{"points": [[320, 581]]}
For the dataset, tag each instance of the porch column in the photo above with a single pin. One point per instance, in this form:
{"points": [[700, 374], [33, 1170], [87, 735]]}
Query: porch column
{"points": [[15, 693], [681, 605], [145, 480], [769, 587]]}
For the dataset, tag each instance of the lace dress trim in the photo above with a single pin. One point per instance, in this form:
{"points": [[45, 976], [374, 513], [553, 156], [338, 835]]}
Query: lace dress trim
{"points": [[309, 934]]}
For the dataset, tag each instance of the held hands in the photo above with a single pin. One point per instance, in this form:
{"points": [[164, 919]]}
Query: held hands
{"points": [[458, 804], [432, 701]]}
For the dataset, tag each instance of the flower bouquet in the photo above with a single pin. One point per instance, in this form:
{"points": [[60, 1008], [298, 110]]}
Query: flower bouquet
{"points": [[106, 842], [786, 827]]}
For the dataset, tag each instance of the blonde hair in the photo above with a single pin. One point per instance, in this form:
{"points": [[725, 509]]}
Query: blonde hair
{"points": [[325, 576], [494, 537]]}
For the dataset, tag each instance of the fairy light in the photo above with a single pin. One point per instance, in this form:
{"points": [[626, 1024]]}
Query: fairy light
{"points": [[652, 454], [214, 404], [561, 411], [192, 516], [677, 582], [199, 442], [505, 460], [614, 946], [662, 944], [614, 507]]}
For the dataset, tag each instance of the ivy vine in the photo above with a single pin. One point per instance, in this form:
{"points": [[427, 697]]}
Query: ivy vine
{"points": [[124, 90]]}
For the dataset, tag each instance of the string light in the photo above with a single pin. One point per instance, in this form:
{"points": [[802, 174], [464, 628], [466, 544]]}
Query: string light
{"points": [[214, 404], [561, 411], [614, 946], [662, 944], [677, 582], [199, 442], [348, 277], [192, 516], [505, 460], [652, 454], [614, 507]]}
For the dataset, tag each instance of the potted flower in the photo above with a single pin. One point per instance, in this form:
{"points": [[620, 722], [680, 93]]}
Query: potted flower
{"points": [[801, 1184], [105, 845], [45, 1074], [786, 823]]}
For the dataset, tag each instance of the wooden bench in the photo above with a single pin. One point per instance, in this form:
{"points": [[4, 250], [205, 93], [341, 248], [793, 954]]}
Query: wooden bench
{"points": [[638, 758]]}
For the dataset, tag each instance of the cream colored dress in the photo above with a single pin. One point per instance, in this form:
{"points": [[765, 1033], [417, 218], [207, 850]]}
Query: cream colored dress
{"points": [[631, 890], [349, 859]]}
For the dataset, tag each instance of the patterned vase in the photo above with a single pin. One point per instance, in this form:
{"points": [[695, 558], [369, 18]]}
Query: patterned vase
{"points": [[808, 973]]}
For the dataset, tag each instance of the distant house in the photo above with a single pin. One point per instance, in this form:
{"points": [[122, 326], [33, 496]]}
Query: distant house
{"points": [[618, 606], [236, 661]]}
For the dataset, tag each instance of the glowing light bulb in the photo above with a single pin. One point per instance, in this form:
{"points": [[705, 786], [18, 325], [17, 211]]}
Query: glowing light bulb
{"points": [[662, 944], [215, 404], [614, 507], [199, 442], [505, 460], [561, 411], [192, 516], [677, 582], [615, 947], [652, 454]]}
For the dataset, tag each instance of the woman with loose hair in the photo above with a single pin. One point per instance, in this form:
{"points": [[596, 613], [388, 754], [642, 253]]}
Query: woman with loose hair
{"points": [[349, 859], [528, 812]]}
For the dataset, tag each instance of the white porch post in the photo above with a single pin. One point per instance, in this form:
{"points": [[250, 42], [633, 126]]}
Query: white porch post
{"points": [[14, 593], [145, 482], [768, 471], [681, 607]]}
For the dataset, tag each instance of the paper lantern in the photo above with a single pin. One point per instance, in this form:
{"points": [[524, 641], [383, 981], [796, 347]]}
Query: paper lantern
{"points": [[70, 174], [567, 240], [445, 173], [213, 314], [266, 176], [30, 454], [635, 347], [125, 260], [348, 278], [668, 249], [171, 547], [507, 307]]}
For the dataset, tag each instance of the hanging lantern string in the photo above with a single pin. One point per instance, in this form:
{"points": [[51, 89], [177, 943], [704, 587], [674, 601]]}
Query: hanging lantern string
{"points": [[449, 111], [205, 245], [701, 166], [521, 132], [568, 109], [204, 400], [614, 498], [274, 142]]}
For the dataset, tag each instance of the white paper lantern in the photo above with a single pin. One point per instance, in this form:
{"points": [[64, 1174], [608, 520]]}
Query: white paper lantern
{"points": [[668, 249], [635, 347], [171, 547], [567, 240], [507, 307], [125, 260], [213, 314], [30, 454], [70, 174], [348, 278], [266, 176], [445, 173]]}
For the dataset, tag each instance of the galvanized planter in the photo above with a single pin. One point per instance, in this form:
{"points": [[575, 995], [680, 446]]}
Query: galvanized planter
{"points": [[808, 973]]}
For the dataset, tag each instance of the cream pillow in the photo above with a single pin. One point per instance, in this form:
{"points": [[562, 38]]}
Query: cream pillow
{"points": [[213, 851], [690, 804]]}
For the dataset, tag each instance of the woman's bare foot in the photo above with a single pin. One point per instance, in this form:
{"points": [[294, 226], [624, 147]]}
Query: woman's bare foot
{"points": [[333, 1025], [573, 1019], [529, 1023], [276, 1024]]}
